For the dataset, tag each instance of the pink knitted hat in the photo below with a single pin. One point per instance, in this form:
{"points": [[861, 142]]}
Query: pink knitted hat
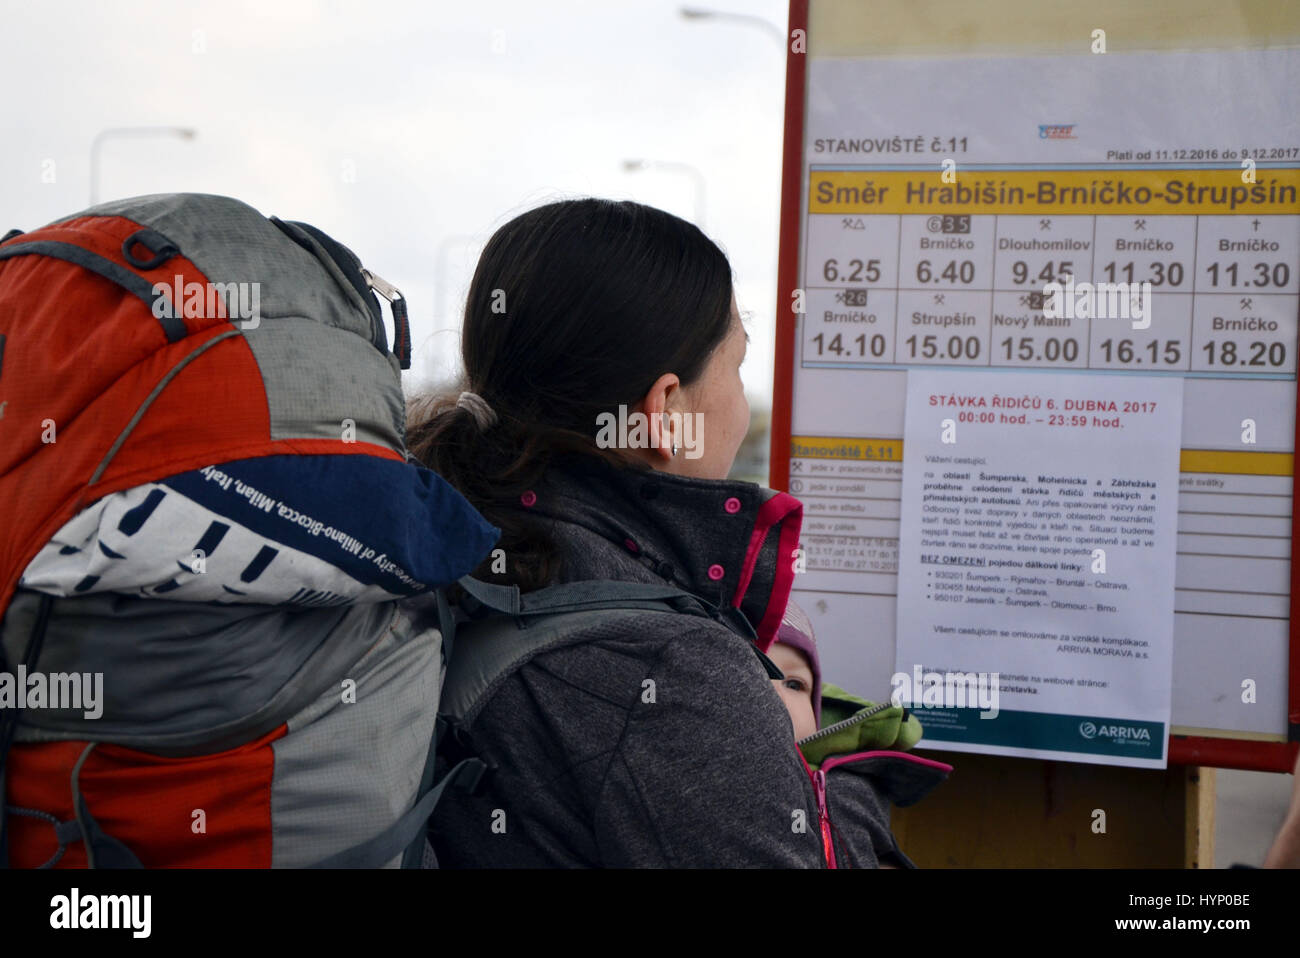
{"points": [[796, 631]]}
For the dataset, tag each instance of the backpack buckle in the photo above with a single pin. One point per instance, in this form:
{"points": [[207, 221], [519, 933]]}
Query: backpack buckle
{"points": [[401, 322], [381, 286]]}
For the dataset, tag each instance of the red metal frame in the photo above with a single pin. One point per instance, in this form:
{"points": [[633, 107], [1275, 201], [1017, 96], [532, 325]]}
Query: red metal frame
{"points": [[787, 270], [1183, 749]]}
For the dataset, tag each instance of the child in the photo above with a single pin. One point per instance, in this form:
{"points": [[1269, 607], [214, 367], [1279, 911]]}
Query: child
{"points": [[856, 752], [800, 690]]}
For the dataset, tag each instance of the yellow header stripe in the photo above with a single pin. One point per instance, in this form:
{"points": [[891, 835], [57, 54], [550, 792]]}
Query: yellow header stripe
{"points": [[1237, 463], [1225, 462], [835, 447], [1038, 192]]}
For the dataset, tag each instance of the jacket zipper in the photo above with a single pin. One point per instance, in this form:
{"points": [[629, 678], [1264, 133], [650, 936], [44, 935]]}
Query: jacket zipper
{"points": [[845, 723], [824, 817], [819, 787]]}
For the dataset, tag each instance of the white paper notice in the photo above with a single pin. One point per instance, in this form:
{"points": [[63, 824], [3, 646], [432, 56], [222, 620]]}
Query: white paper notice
{"points": [[1036, 563]]}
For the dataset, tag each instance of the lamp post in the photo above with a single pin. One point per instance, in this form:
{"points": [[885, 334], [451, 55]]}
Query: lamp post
{"points": [[757, 437], [672, 166], [768, 27], [445, 246], [185, 133]]}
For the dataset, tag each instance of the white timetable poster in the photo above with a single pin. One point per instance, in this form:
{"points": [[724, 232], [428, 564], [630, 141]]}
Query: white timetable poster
{"points": [[942, 197], [1036, 563]]}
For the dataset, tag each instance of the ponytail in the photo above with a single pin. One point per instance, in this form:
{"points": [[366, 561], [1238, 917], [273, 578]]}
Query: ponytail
{"points": [[492, 464]]}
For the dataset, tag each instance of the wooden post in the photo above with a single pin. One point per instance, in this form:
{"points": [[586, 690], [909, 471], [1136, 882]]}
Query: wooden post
{"points": [[998, 812], [1199, 819]]}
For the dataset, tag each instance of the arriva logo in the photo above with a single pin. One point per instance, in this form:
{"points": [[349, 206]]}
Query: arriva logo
{"points": [[1126, 732]]}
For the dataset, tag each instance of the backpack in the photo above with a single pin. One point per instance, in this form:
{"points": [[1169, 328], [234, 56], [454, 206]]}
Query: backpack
{"points": [[498, 630], [221, 641]]}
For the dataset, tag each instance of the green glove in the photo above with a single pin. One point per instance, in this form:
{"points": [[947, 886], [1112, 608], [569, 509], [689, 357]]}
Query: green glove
{"points": [[852, 724]]}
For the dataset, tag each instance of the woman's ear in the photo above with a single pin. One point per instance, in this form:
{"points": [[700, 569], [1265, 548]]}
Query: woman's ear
{"points": [[657, 405]]}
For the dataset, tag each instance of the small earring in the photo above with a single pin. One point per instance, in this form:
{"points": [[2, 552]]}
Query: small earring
{"points": [[674, 447]]}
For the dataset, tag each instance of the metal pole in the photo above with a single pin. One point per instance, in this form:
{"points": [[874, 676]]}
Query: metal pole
{"points": [[749, 19], [441, 264], [96, 145], [674, 166]]}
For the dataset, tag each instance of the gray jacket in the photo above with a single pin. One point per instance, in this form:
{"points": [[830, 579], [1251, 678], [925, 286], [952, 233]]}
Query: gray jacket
{"points": [[644, 738]]}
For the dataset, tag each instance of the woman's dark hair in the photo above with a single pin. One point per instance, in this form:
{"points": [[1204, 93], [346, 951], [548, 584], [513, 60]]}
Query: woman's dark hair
{"points": [[575, 308]]}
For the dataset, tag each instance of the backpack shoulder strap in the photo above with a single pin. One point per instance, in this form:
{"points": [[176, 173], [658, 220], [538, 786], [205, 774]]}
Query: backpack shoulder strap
{"points": [[508, 628], [577, 596], [135, 284]]}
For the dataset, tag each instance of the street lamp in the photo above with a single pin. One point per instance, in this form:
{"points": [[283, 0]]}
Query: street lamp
{"points": [[441, 265], [443, 366], [671, 166], [756, 439], [184, 132], [770, 28]]}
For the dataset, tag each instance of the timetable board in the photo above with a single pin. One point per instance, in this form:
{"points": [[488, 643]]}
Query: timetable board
{"points": [[942, 200]]}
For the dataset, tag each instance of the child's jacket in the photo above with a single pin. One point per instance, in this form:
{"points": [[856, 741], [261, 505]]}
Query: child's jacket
{"points": [[860, 765]]}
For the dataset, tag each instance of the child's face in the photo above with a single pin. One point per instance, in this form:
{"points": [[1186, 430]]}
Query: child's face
{"points": [[796, 690]]}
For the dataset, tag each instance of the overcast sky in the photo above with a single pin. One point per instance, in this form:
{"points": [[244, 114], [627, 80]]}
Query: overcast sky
{"points": [[406, 128]]}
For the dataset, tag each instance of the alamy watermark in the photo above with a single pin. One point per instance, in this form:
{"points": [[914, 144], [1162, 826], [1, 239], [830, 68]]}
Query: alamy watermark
{"points": [[1098, 301], [946, 690], [636, 430], [127, 912], [54, 690], [242, 301]]}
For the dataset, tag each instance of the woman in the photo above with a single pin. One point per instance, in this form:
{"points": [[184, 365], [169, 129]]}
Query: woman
{"points": [[602, 412]]}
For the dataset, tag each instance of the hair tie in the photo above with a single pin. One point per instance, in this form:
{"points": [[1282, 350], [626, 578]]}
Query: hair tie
{"points": [[478, 408]]}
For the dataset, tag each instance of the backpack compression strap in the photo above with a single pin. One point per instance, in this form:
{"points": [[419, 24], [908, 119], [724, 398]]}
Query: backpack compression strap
{"points": [[135, 284], [409, 830]]}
